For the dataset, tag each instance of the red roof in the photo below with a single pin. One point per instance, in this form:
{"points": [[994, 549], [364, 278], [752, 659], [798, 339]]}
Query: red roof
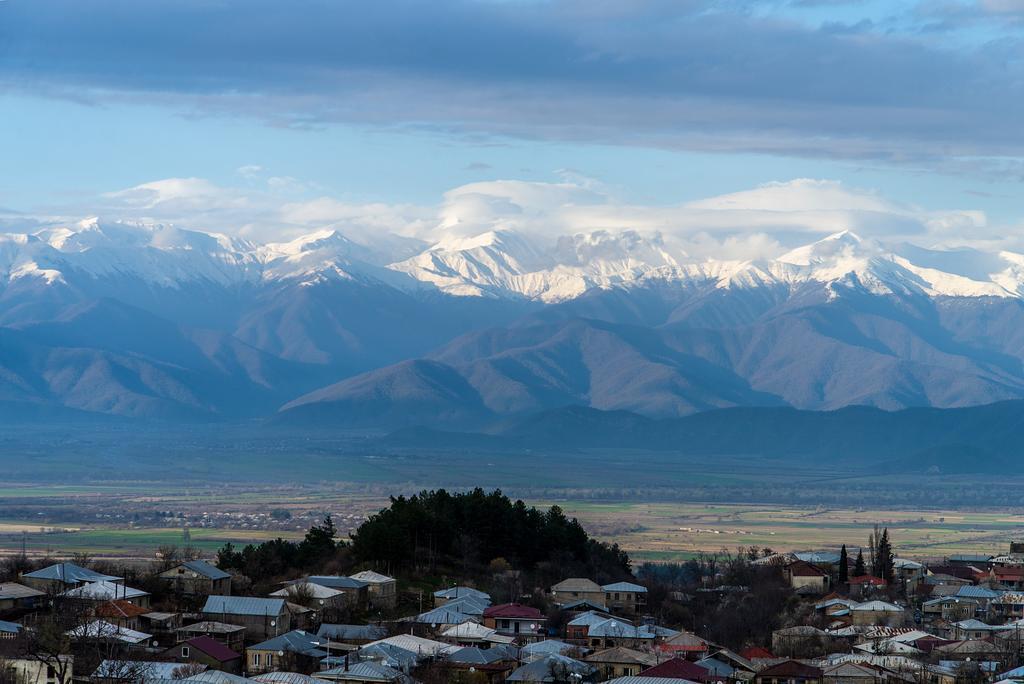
{"points": [[513, 610], [1009, 571], [119, 608], [804, 569], [213, 648], [790, 669], [868, 579], [677, 668], [752, 652]]}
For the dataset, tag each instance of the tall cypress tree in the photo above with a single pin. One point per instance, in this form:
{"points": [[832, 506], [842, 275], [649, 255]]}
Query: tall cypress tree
{"points": [[844, 566], [885, 557], [859, 570]]}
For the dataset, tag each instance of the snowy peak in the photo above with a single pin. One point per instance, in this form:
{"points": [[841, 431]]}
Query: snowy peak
{"points": [[843, 246]]}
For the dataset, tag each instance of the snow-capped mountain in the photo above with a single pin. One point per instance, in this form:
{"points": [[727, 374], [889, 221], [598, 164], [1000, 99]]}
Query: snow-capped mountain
{"points": [[152, 320]]}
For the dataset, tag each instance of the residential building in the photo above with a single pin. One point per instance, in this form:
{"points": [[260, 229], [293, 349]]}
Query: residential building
{"points": [[576, 589], [14, 596], [197, 578], [232, 636], [295, 651], [513, 619], [262, 618], [383, 590], [106, 590], [625, 597], [790, 672], [58, 578], [620, 661], [205, 651], [801, 575]]}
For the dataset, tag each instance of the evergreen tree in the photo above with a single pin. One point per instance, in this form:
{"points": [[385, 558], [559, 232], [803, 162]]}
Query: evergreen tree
{"points": [[844, 566], [859, 569], [884, 557]]}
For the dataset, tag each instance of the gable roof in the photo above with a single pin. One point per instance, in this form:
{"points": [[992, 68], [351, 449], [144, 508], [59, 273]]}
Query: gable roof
{"points": [[295, 641], [69, 573], [317, 591], [333, 581], [13, 590], [9, 627], [621, 654], [544, 669], [371, 577], [802, 568], [625, 587], [104, 590], [243, 605], [790, 669], [515, 611], [207, 570], [459, 592], [336, 632], [677, 668], [365, 671], [120, 609], [213, 648], [443, 616], [577, 584]]}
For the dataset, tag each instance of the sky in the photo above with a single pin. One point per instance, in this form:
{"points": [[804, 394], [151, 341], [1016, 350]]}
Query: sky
{"points": [[724, 120]]}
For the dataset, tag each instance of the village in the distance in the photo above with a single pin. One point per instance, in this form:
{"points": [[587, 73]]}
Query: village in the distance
{"points": [[474, 587]]}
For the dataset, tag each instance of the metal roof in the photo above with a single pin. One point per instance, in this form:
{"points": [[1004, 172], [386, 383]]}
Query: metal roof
{"points": [[216, 677], [10, 627], [243, 605], [285, 678], [295, 641], [544, 669], [625, 586], [207, 570], [104, 591], [13, 590], [334, 581], [371, 577], [69, 573], [444, 616], [459, 592], [367, 671], [358, 632]]}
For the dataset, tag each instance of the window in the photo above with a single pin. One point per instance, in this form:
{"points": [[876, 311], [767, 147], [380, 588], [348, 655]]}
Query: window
{"points": [[51, 673], [184, 651], [270, 660], [256, 659]]}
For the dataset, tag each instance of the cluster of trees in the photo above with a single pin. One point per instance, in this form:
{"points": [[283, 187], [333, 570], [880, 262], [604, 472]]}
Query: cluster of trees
{"points": [[882, 558], [278, 557], [436, 529]]}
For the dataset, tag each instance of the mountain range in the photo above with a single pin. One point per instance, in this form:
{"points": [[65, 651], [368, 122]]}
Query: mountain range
{"points": [[470, 331]]}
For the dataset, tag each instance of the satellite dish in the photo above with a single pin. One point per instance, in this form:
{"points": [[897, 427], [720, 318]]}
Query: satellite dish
{"points": [[273, 623], [321, 602], [280, 654]]}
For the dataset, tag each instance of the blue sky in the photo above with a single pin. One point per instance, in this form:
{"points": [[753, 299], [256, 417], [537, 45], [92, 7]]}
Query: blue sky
{"points": [[396, 102]]}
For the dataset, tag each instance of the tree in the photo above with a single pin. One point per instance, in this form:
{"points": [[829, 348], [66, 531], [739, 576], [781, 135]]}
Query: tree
{"points": [[859, 569], [844, 566], [884, 557]]}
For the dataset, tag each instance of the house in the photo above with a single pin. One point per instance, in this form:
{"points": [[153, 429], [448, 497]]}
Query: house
{"points": [[232, 636], [316, 595], [262, 617], [908, 573], [576, 589], [685, 645], [1008, 606], [351, 634], [951, 608], [800, 641], [877, 613], [57, 578], [203, 650], [14, 596], [383, 590], [471, 633], [39, 671], [443, 596], [620, 661], [475, 664], [677, 668], [625, 597], [443, 617], [851, 673], [367, 672], [295, 651], [802, 575], [197, 578], [356, 593], [975, 629], [514, 619], [789, 672], [163, 626], [618, 632], [554, 668], [101, 630], [121, 613], [105, 590]]}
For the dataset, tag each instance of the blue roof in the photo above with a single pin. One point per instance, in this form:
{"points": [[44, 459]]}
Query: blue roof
{"points": [[70, 573], [545, 669], [393, 656], [547, 646], [470, 605], [367, 671], [472, 654], [459, 592], [205, 569], [243, 605], [295, 641], [9, 627], [443, 616], [355, 632], [336, 582], [625, 586], [972, 591]]}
